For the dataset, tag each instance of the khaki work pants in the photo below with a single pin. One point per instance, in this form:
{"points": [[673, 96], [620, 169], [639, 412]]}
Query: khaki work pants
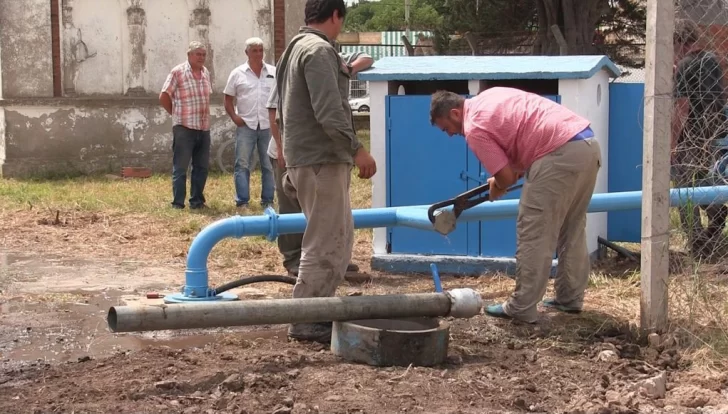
{"points": [[552, 218], [323, 194]]}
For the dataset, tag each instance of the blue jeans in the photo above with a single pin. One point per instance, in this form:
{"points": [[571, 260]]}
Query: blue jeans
{"points": [[246, 139], [189, 145]]}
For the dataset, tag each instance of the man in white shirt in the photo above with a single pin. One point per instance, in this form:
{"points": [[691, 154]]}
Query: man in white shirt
{"points": [[250, 85], [289, 245]]}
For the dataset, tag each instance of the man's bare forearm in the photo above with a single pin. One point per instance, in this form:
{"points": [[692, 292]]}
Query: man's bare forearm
{"points": [[166, 102], [274, 127], [361, 63], [229, 107]]}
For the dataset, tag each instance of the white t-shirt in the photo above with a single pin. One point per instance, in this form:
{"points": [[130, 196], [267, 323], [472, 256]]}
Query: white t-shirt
{"points": [[251, 93], [272, 103]]}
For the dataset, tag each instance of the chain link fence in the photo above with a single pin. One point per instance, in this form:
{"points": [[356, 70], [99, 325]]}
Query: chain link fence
{"points": [[698, 289]]}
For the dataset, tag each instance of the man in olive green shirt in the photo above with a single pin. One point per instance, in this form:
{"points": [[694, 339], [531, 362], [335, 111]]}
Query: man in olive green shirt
{"points": [[319, 146], [289, 245]]}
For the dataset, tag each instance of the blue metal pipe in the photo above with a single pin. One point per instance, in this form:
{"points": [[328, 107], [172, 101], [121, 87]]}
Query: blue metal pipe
{"points": [[415, 217], [271, 225]]}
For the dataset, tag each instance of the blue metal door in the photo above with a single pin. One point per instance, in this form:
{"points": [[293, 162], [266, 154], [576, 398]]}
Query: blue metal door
{"points": [[425, 166], [626, 107], [498, 237]]}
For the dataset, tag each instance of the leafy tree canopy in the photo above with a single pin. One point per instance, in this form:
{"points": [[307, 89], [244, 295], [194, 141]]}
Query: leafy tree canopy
{"points": [[613, 27], [389, 15]]}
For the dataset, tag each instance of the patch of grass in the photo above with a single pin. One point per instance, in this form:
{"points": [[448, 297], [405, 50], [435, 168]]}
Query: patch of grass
{"points": [[698, 308], [147, 196]]}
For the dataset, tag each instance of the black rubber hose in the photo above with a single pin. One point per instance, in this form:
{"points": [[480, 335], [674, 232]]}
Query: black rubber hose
{"points": [[255, 279]]}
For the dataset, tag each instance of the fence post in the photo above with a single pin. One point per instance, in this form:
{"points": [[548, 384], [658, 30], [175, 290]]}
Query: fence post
{"points": [[656, 162]]}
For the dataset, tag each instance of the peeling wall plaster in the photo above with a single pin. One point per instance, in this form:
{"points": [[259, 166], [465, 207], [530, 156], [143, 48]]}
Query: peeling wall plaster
{"points": [[25, 48], [90, 139], [127, 47]]}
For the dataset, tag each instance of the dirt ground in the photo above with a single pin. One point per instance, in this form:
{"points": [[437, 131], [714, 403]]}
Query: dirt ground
{"points": [[60, 273]]}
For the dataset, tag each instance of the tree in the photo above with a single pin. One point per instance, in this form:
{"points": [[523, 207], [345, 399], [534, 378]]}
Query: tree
{"points": [[358, 17], [577, 21], [622, 32], [487, 26], [612, 27], [389, 15]]}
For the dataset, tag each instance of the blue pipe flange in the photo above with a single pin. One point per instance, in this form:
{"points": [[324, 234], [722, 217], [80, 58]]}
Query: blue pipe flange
{"points": [[273, 229], [181, 298]]}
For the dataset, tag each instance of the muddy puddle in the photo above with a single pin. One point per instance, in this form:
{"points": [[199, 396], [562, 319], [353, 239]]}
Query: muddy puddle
{"points": [[73, 327], [54, 311]]}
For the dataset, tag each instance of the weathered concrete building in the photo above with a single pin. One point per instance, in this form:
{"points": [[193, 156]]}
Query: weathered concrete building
{"points": [[80, 78]]}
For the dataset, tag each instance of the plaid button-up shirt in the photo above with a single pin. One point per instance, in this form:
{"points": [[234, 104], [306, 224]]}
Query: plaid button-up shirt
{"points": [[190, 97]]}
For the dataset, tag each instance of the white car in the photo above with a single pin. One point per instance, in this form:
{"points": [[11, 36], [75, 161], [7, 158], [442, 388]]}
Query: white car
{"points": [[360, 104]]}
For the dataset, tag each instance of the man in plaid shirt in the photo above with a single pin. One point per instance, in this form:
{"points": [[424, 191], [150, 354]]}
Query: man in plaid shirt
{"points": [[186, 96]]}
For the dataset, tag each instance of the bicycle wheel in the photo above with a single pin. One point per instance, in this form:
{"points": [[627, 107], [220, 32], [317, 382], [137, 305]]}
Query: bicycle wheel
{"points": [[225, 158]]}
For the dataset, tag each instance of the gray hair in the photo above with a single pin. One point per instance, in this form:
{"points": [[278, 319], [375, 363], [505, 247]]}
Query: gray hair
{"points": [[442, 103], [253, 41], [194, 45]]}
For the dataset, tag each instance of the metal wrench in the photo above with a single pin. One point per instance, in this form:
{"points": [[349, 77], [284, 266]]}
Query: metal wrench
{"points": [[444, 220]]}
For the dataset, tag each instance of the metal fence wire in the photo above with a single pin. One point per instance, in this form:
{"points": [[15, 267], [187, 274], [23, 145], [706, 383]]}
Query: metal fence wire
{"points": [[698, 246], [700, 129]]}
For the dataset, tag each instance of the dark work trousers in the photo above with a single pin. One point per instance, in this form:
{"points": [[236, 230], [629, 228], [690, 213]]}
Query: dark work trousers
{"points": [[189, 145], [288, 244]]}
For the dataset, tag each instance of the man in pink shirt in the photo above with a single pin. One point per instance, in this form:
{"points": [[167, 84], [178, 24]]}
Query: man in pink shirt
{"points": [[513, 134]]}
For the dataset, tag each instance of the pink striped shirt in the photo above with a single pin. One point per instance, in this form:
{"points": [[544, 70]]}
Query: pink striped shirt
{"points": [[508, 126], [190, 97]]}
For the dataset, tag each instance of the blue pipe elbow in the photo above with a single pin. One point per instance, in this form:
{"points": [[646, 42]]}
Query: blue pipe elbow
{"points": [[196, 275]]}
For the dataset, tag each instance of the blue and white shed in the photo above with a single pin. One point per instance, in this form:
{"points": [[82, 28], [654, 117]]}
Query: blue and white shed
{"points": [[419, 164]]}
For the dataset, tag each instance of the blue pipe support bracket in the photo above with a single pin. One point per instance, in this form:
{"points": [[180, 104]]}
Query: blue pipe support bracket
{"points": [[272, 225], [436, 278]]}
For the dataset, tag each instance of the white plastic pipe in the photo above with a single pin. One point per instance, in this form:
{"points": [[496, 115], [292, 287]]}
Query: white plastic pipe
{"points": [[458, 303]]}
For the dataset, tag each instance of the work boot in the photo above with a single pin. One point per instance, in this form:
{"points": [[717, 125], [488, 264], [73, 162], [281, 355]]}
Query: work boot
{"points": [[554, 304], [314, 332]]}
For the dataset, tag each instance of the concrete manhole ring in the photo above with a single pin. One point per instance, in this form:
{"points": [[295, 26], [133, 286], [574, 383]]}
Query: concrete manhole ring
{"points": [[392, 342]]}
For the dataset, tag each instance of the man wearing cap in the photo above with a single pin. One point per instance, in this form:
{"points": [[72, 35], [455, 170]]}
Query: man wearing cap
{"points": [[186, 96]]}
